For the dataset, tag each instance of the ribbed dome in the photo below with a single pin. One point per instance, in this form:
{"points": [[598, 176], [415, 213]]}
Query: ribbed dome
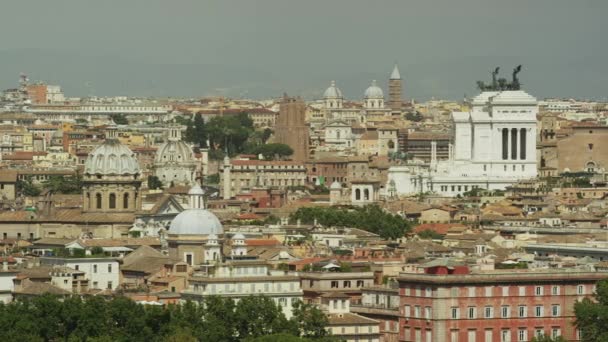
{"points": [[111, 158], [196, 222], [333, 91], [374, 92], [173, 151]]}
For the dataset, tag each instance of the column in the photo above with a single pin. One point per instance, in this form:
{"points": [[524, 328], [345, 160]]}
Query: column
{"points": [[517, 143]]}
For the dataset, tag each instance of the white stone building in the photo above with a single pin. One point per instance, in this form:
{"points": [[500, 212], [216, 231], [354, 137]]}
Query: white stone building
{"points": [[102, 273], [242, 278], [494, 146]]}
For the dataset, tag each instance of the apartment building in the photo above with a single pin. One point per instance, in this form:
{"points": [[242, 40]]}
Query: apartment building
{"points": [[450, 303]]}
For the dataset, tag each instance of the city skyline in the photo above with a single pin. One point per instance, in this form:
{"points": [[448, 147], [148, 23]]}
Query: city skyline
{"points": [[261, 50]]}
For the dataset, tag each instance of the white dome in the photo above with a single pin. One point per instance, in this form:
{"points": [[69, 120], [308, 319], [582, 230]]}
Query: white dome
{"points": [[196, 190], [111, 157], [174, 152], [335, 186], [374, 92], [333, 91], [196, 222], [238, 236]]}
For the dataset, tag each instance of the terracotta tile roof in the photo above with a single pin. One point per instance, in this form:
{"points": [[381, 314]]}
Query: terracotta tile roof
{"points": [[249, 216], [8, 176], [441, 228], [262, 242], [38, 288]]}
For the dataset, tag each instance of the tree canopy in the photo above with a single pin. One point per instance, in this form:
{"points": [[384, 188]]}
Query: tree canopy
{"points": [[370, 218], [119, 119], [592, 317], [272, 151], [64, 184], [49, 318], [26, 187]]}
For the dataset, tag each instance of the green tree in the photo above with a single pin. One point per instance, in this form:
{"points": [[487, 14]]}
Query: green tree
{"points": [[196, 132], [154, 182], [310, 320], [119, 119], [592, 316], [429, 234], [272, 151], [64, 185], [370, 218], [266, 134], [27, 188]]}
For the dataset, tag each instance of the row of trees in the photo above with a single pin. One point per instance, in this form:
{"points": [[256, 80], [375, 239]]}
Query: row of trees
{"points": [[56, 184], [49, 318], [370, 218]]}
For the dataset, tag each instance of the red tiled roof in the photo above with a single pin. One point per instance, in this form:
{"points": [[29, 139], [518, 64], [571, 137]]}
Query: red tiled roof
{"points": [[440, 228], [249, 216], [262, 242]]}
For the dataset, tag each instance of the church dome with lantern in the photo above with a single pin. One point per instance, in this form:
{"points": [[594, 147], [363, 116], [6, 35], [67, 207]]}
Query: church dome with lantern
{"points": [[174, 162], [111, 158]]}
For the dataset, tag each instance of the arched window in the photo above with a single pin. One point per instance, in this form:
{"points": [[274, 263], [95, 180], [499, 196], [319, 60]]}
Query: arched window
{"points": [[391, 144], [125, 201], [358, 194], [366, 194], [112, 201], [522, 144], [505, 143], [98, 201]]}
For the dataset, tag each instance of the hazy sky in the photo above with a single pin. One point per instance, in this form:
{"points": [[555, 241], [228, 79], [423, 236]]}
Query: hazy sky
{"points": [[259, 49]]}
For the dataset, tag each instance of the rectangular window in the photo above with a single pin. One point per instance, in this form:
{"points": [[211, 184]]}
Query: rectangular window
{"points": [[522, 334], [471, 292], [472, 312], [428, 292], [418, 292], [407, 311], [556, 332], [580, 289], [522, 290], [109, 268], [427, 312], [538, 311], [522, 311], [334, 284], [555, 290], [453, 335], [539, 332], [505, 335], [488, 291], [555, 310], [417, 311], [455, 313], [504, 311], [539, 290], [488, 335], [109, 285], [471, 335], [407, 291], [505, 291], [489, 312], [94, 268]]}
